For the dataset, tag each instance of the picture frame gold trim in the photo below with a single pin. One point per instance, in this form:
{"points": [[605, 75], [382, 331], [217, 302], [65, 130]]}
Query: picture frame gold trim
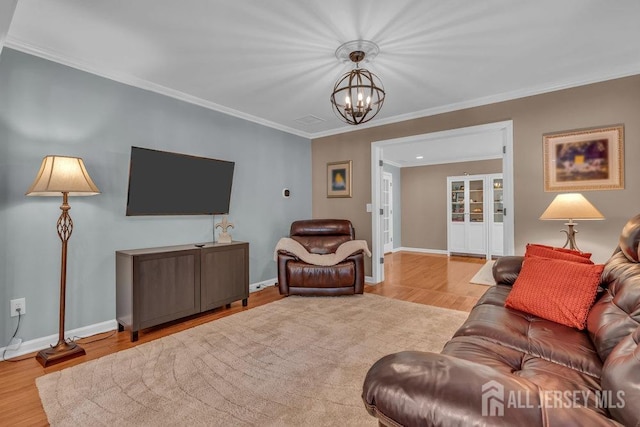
{"points": [[339, 179], [584, 159]]}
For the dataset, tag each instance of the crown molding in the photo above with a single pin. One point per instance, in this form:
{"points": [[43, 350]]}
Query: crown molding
{"points": [[487, 100], [130, 80]]}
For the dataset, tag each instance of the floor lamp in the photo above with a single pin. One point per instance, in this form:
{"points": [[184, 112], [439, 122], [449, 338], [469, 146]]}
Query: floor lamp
{"points": [[570, 206], [64, 176]]}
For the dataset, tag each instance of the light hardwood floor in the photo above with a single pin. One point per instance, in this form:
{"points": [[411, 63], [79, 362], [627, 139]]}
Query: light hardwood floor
{"points": [[427, 279]]}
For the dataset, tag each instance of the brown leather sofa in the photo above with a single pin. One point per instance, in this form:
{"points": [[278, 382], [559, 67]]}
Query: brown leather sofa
{"points": [[506, 367], [321, 236]]}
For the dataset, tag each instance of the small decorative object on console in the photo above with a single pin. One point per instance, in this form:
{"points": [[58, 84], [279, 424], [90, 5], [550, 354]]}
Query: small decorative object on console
{"points": [[224, 237]]}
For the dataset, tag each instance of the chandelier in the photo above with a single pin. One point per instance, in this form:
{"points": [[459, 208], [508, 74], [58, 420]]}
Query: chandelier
{"points": [[358, 95]]}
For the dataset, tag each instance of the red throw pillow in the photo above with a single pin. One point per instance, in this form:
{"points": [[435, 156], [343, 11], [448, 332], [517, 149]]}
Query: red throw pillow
{"points": [[556, 290], [544, 251]]}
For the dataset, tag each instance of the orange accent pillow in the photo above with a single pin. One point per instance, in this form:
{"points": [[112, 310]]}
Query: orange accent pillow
{"points": [[556, 290], [537, 250]]}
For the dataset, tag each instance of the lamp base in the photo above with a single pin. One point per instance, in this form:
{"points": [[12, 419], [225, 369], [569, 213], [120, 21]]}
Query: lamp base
{"points": [[59, 353], [571, 236]]}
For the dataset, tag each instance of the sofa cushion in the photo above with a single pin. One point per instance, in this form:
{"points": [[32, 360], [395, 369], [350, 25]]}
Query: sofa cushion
{"points": [[506, 269], [321, 245], [414, 388], [621, 376], [495, 295], [556, 290], [534, 336], [303, 274], [544, 251], [321, 236], [630, 239], [547, 375], [616, 314]]}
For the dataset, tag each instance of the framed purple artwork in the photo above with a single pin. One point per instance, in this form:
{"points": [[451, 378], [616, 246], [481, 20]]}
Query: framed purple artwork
{"points": [[588, 159]]}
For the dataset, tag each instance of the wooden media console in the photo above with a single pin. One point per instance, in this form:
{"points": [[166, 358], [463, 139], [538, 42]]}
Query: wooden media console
{"points": [[158, 285]]}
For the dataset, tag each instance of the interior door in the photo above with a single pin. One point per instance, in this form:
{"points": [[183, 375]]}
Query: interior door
{"points": [[496, 228], [387, 211], [456, 233], [476, 220]]}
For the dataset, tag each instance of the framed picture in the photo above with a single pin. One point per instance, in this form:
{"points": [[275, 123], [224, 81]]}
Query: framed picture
{"points": [[339, 179], [588, 159]]}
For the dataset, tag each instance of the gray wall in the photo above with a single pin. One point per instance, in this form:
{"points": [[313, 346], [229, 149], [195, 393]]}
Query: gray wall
{"points": [[397, 203], [47, 108], [424, 200]]}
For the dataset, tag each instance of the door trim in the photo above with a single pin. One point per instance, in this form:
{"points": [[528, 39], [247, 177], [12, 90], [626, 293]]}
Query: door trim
{"points": [[506, 129]]}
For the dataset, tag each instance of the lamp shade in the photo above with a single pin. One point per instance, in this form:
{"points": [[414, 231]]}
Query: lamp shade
{"points": [[571, 206], [60, 174]]}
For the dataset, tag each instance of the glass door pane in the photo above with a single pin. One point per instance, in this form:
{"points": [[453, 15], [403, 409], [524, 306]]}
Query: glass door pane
{"points": [[476, 200], [498, 206], [386, 209], [457, 201]]}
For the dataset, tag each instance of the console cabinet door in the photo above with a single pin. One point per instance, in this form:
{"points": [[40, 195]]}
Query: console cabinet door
{"points": [[167, 286], [224, 275]]}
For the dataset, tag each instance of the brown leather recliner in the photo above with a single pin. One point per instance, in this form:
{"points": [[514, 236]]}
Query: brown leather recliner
{"points": [[321, 236]]}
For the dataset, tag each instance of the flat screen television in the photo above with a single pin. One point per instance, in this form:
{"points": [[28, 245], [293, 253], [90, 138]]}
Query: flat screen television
{"points": [[164, 183]]}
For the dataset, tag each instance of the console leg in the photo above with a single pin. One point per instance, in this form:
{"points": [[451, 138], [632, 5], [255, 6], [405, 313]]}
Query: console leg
{"points": [[228, 305], [245, 302], [134, 336], [120, 328]]}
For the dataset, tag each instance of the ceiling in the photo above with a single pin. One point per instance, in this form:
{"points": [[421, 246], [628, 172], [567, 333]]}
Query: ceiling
{"points": [[461, 145], [273, 62]]}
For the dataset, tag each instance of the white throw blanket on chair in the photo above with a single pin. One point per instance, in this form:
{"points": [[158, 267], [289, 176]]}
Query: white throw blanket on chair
{"points": [[350, 247]]}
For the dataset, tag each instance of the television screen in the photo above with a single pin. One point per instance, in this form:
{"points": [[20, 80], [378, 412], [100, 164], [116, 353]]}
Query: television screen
{"points": [[163, 183]]}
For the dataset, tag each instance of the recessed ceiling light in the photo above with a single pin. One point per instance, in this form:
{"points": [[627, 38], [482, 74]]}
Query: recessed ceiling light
{"points": [[419, 157]]}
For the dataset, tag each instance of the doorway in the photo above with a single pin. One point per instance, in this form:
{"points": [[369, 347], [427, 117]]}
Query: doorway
{"points": [[501, 134]]}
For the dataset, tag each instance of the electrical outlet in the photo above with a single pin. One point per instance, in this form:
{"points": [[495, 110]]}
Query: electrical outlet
{"points": [[20, 303]]}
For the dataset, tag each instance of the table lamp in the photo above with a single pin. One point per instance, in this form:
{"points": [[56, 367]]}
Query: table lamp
{"points": [[570, 206]]}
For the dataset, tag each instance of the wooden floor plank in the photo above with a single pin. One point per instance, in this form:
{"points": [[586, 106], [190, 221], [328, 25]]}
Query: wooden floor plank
{"points": [[426, 279]]}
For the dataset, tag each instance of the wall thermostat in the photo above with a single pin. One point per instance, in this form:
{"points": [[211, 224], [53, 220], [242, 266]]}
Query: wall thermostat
{"points": [[286, 193]]}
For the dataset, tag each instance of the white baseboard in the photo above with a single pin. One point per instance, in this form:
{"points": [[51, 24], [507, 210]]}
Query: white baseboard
{"points": [[254, 287], [272, 282], [423, 251], [44, 342]]}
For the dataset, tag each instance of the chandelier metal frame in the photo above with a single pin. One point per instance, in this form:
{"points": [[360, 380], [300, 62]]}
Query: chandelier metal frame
{"points": [[358, 95]]}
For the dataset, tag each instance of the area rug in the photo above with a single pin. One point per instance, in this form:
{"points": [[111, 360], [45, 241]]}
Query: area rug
{"points": [[295, 361], [485, 275]]}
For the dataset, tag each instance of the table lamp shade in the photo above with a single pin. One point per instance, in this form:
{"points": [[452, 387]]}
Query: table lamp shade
{"points": [[570, 206], [60, 174]]}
